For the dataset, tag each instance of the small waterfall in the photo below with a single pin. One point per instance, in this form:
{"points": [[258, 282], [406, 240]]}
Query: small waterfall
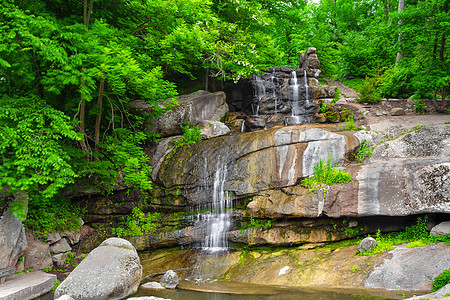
{"points": [[216, 218], [260, 93], [295, 97], [274, 92], [305, 75]]}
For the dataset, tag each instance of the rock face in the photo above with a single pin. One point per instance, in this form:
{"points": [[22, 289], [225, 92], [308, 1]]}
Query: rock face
{"points": [[405, 270], [38, 255], [194, 108], [13, 242], [111, 271], [257, 161], [443, 294]]}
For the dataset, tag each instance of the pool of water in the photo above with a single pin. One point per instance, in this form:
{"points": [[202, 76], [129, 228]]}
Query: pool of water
{"points": [[236, 291]]}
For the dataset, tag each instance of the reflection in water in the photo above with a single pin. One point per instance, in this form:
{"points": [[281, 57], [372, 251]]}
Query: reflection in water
{"points": [[277, 293]]}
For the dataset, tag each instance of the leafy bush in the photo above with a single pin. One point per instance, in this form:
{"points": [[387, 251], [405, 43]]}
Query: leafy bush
{"points": [[397, 83], [255, 223], [369, 92], [190, 135], [441, 280], [420, 107], [137, 224], [326, 174], [364, 151]]}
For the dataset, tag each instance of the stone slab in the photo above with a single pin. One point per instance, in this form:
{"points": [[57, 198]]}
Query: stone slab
{"points": [[27, 286]]}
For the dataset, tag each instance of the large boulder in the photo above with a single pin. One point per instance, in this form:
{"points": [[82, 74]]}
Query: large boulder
{"points": [[405, 271], [37, 256], [111, 271], [441, 229], [13, 242], [194, 108]]}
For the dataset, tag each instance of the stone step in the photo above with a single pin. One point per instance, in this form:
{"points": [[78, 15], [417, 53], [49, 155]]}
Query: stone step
{"points": [[26, 286]]}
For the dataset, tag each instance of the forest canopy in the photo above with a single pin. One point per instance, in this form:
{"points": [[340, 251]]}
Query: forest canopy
{"points": [[70, 68]]}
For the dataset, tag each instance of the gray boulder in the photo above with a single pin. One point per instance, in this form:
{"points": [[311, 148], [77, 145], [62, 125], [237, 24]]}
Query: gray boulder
{"points": [[170, 280], [397, 111], [213, 128], [111, 271], [72, 236], [193, 108], [441, 229], [410, 269], [53, 238], [367, 244], [13, 241], [37, 256]]}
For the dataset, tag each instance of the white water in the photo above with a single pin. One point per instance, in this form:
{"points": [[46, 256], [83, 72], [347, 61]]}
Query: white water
{"points": [[305, 75], [218, 218], [294, 83], [260, 93]]}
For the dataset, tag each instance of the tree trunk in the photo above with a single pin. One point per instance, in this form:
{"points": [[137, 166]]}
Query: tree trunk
{"points": [[401, 6], [444, 90], [434, 99], [83, 114], [206, 79], [99, 116]]}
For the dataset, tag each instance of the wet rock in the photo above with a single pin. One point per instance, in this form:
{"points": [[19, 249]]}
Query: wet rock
{"points": [[255, 123], [397, 111], [58, 259], [37, 256], [367, 244], [170, 280], [60, 246], [441, 229], [111, 271]]}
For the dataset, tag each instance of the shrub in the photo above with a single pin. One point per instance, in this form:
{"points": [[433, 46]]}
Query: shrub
{"points": [[368, 91], [325, 174], [364, 151], [441, 280]]}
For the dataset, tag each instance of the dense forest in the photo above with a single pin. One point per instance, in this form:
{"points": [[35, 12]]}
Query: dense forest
{"points": [[69, 69]]}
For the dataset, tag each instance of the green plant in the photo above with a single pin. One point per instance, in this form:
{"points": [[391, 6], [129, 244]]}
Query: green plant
{"points": [[190, 135], [420, 107], [55, 286], [323, 107], [447, 122], [48, 269], [325, 174], [441, 280], [337, 96], [419, 243], [354, 268], [350, 124], [69, 257], [137, 224], [353, 231], [255, 223], [364, 151], [368, 91]]}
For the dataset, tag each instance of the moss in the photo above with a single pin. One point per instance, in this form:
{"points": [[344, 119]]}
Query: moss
{"points": [[332, 117]]}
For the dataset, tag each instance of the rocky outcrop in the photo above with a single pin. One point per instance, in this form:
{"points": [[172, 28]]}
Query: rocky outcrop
{"points": [[257, 161], [111, 271], [37, 256], [441, 229], [195, 108]]}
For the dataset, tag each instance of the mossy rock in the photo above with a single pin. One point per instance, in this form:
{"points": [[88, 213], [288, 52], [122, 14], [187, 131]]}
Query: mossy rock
{"points": [[321, 118], [345, 114], [332, 117]]}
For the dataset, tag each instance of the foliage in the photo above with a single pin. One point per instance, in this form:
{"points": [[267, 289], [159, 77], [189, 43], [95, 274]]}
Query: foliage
{"points": [[255, 223], [337, 96], [416, 235], [368, 91], [190, 135], [53, 215], [325, 174], [420, 107], [137, 224], [441, 280], [323, 107], [350, 124], [364, 151], [55, 286]]}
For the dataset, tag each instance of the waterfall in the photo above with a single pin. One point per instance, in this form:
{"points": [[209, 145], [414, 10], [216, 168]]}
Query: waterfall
{"points": [[305, 75], [274, 92], [295, 98], [216, 218], [260, 93]]}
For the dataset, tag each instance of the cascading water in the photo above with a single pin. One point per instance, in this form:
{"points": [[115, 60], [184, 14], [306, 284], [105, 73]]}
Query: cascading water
{"points": [[295, 98], [305, 75], [215, 219], [260, 93], [301, 106]]}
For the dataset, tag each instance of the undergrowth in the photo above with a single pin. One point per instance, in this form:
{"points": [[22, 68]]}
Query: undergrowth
{"points": [[364, 151], [325, 174], [416, 235]]}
